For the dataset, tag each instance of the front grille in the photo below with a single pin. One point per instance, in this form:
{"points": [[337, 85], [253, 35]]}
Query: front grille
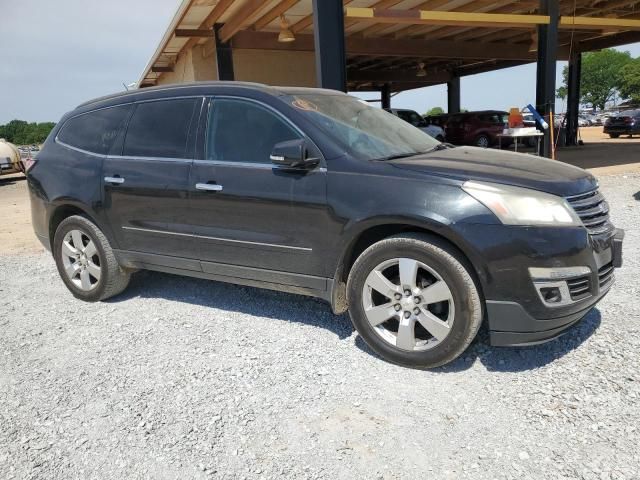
{"points": [[605, 275], [593, 210], [579, 288]]}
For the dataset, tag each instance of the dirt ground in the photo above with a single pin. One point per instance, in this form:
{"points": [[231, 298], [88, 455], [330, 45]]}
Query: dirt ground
{"points": [[600, 154]]}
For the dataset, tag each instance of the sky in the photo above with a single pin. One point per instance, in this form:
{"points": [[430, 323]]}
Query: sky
{"points": [[55, 55]]}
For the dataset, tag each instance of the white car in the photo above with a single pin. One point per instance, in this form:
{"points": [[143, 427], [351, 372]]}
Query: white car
{"points": [[415, 119]]}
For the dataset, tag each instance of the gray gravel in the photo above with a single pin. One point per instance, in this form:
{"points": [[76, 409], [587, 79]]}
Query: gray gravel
{"points": [[183, 378]]}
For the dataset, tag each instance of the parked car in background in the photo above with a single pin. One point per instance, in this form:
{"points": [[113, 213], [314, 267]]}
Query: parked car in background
{"points": [[476, 128], [314, 192], [439, 120], [625, 123], [415, 119]]}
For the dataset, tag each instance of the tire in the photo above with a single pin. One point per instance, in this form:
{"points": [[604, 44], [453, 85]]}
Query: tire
{"points": [[614, 135], [457, 319], [482, 141], [95, 264]]}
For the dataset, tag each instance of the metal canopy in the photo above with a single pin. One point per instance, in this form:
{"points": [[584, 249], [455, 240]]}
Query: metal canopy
{"points": [[387, 40]]}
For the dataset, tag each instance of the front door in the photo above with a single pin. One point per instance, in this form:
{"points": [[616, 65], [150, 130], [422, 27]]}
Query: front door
{"points": [[146, 186], [252, 219]]}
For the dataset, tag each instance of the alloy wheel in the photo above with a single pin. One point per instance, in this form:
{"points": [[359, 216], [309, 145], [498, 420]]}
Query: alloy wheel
{"points": [[408, 304], [81, 260]]}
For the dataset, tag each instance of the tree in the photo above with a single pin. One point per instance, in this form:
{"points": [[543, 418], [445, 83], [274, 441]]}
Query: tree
{"points": [[23, 133], [601, 77], [630, 81], [435, 111]]}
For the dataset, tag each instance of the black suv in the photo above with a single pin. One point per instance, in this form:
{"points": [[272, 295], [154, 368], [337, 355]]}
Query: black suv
{"points": [[314, 192]]}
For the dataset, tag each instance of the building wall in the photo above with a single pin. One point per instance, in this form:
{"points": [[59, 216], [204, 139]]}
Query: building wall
{"points": [[272, 67], [275, 67]]}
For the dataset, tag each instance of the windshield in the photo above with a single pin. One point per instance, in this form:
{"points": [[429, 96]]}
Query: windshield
{"points": [[366, 132]]}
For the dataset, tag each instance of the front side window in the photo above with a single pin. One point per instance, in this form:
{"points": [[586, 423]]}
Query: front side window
{"points": [[366, 132], [160, 129], [95, 131], [241, 131]]}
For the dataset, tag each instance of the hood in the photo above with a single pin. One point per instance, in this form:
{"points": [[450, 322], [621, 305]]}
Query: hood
{"points": [[497, 166]]}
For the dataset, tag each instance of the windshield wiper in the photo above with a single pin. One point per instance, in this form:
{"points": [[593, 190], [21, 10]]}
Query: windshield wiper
{"points": [[399, 155]]}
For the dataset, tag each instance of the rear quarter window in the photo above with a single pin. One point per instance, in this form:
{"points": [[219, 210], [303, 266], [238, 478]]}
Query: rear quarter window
{"points": [[95, 131]]}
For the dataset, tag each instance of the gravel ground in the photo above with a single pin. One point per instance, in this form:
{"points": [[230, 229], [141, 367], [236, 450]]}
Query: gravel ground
{"points": [[183, 378]]}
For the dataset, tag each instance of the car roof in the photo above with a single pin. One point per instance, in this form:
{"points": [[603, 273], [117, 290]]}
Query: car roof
{"points": [[201, 88]]}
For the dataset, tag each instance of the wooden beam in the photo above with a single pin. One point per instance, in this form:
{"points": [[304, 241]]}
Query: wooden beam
{"points": [[192, 33], [599, 23], [398, 75], [431, 17], [235, 23], [307, 21], [274, 13], [384, 47], [208, 22], [162, 69]]}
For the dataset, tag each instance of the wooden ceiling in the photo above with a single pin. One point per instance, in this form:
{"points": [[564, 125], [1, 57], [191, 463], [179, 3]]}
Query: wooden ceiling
{"points": [[387, 40]]}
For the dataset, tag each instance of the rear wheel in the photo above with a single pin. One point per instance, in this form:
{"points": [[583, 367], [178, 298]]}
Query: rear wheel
{"points": [[483, 141], [413, 301], [86, 262]]}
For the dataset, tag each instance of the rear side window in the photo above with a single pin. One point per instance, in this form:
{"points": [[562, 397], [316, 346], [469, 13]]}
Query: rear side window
{"points": [[95, 131], [160, 129]]}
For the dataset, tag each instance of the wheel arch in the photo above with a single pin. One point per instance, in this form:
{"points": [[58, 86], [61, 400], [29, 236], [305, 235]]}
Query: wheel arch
{"points": [[373, 231], [63, 209]]}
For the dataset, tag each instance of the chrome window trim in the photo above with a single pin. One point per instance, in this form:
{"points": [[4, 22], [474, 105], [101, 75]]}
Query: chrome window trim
{"points": [[206, 237], [259, 166]]}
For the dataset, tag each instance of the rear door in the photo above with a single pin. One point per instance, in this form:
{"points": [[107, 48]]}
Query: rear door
{"points": [[146, 185], [252, 219]]}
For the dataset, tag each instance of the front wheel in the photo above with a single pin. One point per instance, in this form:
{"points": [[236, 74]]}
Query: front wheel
{"points": [[614, 135], [413, 301], [86, 262]]}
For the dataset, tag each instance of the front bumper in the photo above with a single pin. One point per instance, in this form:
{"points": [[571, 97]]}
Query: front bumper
{"points": [[511, 325]]}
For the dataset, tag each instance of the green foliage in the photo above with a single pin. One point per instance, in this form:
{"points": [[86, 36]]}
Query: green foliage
{"points": [[630, 81], [20, 132], [435, 111], [601, 76]]}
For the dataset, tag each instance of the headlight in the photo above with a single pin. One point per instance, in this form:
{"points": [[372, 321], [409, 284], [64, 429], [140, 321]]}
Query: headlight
{"points": [[522, 206]]}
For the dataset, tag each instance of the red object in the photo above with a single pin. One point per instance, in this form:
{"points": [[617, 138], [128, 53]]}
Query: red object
{"points": [[472, 127]]}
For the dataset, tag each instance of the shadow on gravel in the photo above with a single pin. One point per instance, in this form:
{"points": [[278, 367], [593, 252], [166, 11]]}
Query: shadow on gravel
{"points": [[501, 359], [11, 180], [236, 298]]}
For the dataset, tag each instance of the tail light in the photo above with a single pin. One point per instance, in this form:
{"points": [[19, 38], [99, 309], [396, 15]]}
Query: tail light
{"points": [[29, 163]]}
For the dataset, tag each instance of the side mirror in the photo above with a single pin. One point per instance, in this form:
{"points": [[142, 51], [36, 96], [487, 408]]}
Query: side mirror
{"points": [[293, 155]]}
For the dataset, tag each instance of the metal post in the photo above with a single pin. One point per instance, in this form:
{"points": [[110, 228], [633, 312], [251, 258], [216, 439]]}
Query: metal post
{"points": [[546, 76], [573, 100], [453, 95], [224, 56], [328, 34], [385, 96]]}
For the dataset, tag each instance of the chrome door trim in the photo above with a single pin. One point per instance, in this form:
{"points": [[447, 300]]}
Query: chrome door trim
{"points": [[210, 187], [117, 180], [206, 237]]}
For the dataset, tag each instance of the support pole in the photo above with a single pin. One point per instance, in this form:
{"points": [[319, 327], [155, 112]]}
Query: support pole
{"points": [[546, 75], [224, 56], [573, 101], [453, 95], [385, 96], [328, 34]]}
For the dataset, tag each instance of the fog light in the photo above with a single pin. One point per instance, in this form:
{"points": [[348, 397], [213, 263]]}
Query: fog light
{"points": [[551, 294]]}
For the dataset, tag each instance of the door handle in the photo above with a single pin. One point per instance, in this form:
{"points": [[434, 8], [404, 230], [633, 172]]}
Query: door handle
{"points": [[211, 187], [117, 180]]}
